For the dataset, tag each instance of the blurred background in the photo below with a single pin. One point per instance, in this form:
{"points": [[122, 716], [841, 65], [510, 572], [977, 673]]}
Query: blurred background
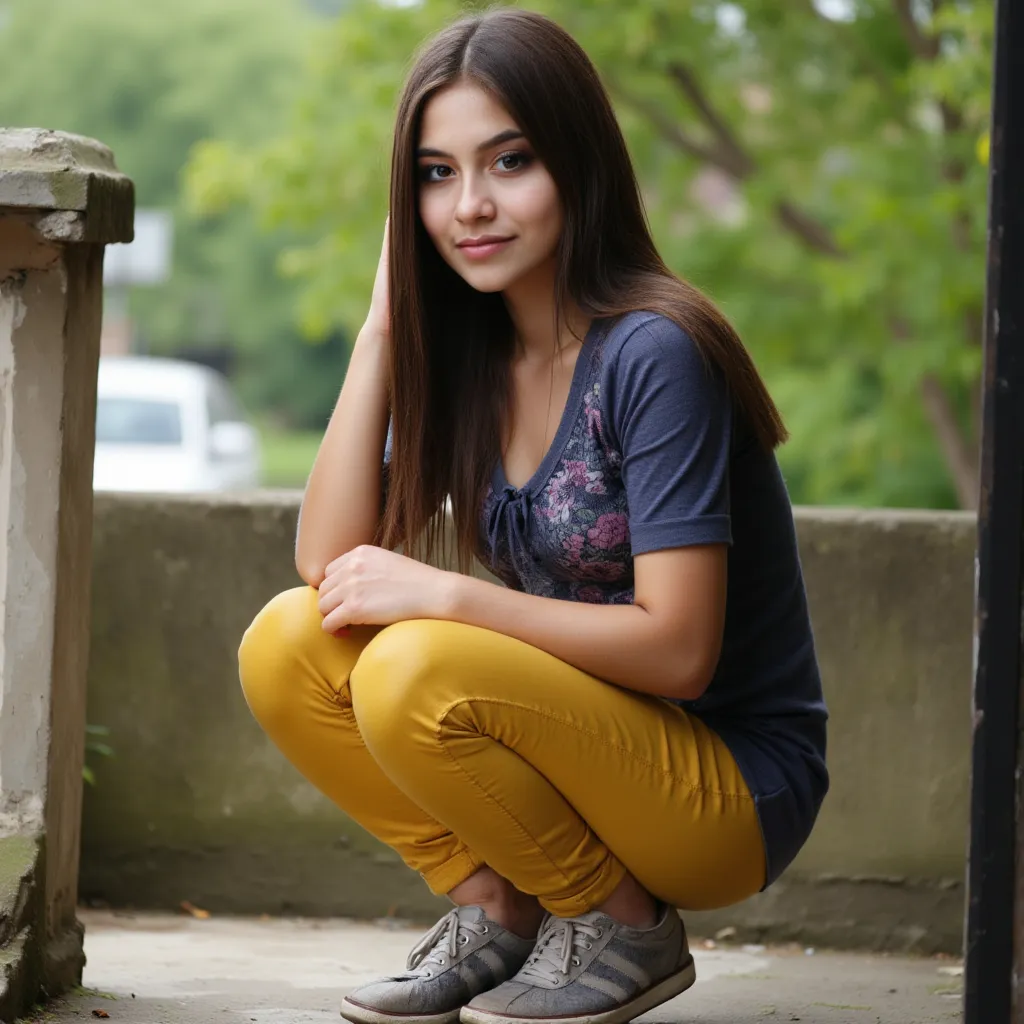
{"points": [[817, 166]]}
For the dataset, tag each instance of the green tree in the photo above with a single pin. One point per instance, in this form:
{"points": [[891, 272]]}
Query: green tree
{"points": [[152, 80], [813, 166]]}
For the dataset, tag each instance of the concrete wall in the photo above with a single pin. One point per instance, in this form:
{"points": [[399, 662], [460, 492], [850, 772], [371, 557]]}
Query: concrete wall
{"points": [[198, 806]]}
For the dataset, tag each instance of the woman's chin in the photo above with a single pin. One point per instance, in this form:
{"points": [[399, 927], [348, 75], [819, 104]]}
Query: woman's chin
{"points": [[488, 280]]}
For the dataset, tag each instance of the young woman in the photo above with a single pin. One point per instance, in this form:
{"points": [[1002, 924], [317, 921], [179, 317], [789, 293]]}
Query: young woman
{"points": [[634, 723]]}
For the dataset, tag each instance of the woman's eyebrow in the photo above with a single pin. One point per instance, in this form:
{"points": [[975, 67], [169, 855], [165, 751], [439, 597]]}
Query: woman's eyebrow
{"points": [[506, 136]]}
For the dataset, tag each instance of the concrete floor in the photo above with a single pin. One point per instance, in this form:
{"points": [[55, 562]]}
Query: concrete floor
{"points": [[163, 969]]}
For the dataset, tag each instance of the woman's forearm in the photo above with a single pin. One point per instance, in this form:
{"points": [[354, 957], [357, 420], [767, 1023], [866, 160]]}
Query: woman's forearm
{"points": [[622, 644], [341, 506]]}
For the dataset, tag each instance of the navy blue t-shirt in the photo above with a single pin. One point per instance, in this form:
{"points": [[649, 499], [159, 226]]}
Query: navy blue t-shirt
{"points": [[650, 455]]}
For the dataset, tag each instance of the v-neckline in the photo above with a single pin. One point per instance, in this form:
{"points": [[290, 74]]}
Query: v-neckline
{"points": [[499, 481]]}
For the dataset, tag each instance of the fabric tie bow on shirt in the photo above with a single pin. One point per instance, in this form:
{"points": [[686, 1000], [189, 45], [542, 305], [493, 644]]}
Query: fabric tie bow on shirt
{"points": [[512, 511]]}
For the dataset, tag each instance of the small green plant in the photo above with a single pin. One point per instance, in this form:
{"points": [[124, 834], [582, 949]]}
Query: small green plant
{"points": [[93, 745]]}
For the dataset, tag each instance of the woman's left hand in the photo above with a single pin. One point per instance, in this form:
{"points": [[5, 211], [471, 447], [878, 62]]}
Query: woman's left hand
{"points": [[372, 586]]}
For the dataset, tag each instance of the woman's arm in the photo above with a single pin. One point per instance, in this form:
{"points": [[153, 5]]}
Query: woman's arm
{"points": [[666, 643], [342, 504]]}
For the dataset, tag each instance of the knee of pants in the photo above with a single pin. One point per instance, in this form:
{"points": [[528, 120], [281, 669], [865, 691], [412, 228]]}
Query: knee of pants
{"points": [[271, 650], [395, 687]]}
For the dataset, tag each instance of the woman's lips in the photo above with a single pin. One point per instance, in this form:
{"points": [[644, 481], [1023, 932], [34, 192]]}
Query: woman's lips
{"points": [[482, 250]]}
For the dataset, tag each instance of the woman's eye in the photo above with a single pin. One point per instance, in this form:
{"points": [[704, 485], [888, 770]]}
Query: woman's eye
{"points": [[513, 161], [434, 172]]}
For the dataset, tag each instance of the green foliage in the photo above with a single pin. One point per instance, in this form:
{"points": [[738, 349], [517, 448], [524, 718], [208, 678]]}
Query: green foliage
{"points": [[849, 249], [328, 174], [298, 383], [152, 81], [96, 746], [824, 180], [288, 456]]}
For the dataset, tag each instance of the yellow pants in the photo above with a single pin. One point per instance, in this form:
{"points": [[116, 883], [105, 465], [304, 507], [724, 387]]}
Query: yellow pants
{"points": [[458, 746]]}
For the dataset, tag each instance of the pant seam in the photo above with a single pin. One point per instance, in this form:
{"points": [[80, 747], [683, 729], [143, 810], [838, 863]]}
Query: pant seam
{"points": [[345, 707], [604, 741], [465, 853], [515, 821]]}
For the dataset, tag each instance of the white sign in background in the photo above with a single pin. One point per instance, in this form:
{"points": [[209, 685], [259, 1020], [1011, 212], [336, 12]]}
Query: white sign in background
{"points": [[147, 259]]}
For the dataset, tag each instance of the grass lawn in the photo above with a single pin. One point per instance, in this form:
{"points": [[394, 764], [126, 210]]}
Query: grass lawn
{"points": [[287, 456]]}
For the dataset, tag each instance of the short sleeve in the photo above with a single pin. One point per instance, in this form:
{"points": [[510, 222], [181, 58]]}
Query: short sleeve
{"points": [[670, 418]]}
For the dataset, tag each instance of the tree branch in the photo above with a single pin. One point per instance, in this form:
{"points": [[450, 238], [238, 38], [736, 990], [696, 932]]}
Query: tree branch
{"points": [[925, 46], [810, 231], [730, 156], [806, 228], [733, 158], [670, 130], [742, 162], [869, 61]]}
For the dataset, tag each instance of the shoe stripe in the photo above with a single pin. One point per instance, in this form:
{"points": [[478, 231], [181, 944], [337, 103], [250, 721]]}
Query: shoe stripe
{"points": [[626, 967], [471, 977], [498, 966], [604, 985]]}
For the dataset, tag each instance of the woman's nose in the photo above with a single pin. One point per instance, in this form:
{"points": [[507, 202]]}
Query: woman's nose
{"points": [[475, 201]]}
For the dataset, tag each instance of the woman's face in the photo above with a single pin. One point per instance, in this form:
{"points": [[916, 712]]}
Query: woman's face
{"points": [[488, 204]]}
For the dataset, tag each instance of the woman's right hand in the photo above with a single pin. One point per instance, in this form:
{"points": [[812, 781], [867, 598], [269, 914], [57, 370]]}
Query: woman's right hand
{"points": [[378, 320]]}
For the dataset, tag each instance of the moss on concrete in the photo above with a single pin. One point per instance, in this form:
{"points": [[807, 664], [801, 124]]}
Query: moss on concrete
{"points": [[19, 856], [20, 959]]}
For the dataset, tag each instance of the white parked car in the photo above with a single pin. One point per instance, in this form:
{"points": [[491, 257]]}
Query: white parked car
{"points": [[170, 425]]}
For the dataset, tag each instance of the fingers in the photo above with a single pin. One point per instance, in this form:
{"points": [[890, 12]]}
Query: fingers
{"points": [[331, 601], [332, 608], [336, 622], [330, 592]]}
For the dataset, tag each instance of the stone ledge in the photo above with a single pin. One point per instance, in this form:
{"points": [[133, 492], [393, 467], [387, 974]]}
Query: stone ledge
{"points": [[73, 179], [31, 968], [20, 973], [315, 875], [276, 498], [208, 810], [891, 915]]}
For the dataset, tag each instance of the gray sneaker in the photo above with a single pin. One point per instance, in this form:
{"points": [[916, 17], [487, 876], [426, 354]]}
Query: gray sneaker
{"points": [[464, 954], [591, 970]]}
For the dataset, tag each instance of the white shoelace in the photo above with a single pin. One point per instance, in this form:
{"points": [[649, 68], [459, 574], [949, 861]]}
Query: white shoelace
{"points": [[441, 944], [554, 953]]}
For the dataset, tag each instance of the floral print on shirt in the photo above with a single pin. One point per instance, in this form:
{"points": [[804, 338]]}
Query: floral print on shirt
{"points": [[573, 541]]}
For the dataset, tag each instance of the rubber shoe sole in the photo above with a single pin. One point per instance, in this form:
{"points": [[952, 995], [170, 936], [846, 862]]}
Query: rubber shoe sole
{"points": [[359, 1014]]}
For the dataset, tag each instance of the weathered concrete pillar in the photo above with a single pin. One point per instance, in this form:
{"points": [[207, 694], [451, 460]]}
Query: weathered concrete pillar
{"points": [[61, 200]]}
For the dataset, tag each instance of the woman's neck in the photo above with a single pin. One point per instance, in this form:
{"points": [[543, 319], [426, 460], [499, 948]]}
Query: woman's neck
{"points": [[531, 306]]}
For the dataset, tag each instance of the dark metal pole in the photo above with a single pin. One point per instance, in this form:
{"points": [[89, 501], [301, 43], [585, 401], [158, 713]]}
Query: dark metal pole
{"points": [[995, 908]]}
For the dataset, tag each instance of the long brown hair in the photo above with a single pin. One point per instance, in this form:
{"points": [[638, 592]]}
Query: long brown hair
{"points": [[452, 346]]}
